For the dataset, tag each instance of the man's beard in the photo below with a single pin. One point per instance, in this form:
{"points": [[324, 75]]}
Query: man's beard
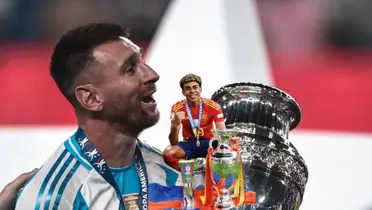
{"points": [[137, 124]]}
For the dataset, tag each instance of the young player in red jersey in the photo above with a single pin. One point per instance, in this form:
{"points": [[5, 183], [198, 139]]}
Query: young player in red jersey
{"points": [[196, 116]]}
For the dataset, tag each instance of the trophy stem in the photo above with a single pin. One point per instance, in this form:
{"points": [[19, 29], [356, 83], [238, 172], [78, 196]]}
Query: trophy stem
{"points": [[224, 192]]}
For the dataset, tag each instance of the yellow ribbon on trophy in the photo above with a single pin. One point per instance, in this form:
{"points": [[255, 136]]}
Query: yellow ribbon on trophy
{"points": [[239, 188]]}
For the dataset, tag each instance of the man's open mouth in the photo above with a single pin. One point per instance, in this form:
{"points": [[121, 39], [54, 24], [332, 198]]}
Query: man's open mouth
{"points": [[148, 99]]}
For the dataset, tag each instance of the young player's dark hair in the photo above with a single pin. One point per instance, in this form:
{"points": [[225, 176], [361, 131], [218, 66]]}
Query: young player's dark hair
{"points": [[190, 78]]}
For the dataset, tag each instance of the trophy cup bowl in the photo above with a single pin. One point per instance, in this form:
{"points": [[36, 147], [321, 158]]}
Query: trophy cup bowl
{"points": [[225, 168], [272, 167]]}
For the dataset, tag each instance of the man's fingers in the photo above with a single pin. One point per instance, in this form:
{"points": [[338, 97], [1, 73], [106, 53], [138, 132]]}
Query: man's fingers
{"points": [[19, 182], [235, 139], [235, 142]]}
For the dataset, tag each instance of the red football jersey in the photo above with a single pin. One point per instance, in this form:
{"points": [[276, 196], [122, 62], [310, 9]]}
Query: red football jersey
{"points": [[212, 112]]}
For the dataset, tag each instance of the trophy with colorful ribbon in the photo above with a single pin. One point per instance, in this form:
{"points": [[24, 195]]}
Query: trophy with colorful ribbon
{"points": [[224, 173]]}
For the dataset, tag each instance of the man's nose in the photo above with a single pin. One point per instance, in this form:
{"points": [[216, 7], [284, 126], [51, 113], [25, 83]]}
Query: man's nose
{"points": [[152, 77]]}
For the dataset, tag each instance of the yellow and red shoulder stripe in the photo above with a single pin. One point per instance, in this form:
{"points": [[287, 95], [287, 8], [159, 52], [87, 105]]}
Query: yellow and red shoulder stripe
{"points": [[211, 103], [178, 105]]}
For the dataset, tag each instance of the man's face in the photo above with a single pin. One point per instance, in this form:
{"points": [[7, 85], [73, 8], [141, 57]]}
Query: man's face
{"points": [[127, 85], [191, 90]]}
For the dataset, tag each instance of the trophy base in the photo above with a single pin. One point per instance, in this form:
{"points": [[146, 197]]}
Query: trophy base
{"points": [[223, 202]]}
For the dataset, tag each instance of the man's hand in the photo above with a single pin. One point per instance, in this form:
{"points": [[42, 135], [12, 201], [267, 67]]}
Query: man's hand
{"points": [[9, 194], [235, 142], [175, 127], [178, 117]]}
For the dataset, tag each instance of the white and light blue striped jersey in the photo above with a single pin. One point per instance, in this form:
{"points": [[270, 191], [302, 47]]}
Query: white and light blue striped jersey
{"points": [[68, 181]]}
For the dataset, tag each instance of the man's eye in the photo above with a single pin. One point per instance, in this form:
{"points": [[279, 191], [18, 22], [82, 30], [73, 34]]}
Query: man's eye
{"points": [[131, 69]]}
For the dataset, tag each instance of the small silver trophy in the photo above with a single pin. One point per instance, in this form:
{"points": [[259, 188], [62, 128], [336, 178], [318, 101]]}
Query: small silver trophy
{"points": [[272, 167], [186, 167]]}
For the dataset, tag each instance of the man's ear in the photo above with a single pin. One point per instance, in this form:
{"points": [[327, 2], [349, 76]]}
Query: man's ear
{"points": [[183, 92], [89, 98]]}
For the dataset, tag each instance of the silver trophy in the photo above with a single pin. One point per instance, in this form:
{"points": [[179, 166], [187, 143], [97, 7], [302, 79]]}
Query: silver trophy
{"points": [[273, 168], [225, 165], [186, 167]]}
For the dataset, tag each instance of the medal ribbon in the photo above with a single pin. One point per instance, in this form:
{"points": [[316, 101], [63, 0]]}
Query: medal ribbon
{"points": [[99, 164], [192, 123]]}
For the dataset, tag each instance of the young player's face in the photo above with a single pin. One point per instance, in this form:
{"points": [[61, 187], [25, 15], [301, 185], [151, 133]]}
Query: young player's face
{"points": [[192, 91]]}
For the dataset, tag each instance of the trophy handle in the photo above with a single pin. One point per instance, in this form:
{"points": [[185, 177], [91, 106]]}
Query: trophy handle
{"points": [[211, 142]]}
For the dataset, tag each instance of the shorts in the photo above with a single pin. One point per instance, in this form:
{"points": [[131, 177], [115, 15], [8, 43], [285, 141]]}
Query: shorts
{"points": [[192, 151]]}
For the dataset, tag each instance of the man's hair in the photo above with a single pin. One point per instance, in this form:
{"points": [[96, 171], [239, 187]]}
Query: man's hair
{"points": [[73, 54], [190, 78]]}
